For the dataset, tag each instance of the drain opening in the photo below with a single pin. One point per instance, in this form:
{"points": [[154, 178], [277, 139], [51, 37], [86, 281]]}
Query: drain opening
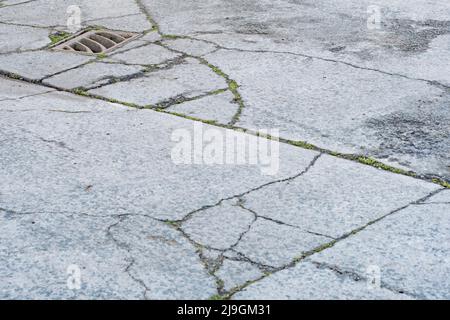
{"points": [[96, 41]]}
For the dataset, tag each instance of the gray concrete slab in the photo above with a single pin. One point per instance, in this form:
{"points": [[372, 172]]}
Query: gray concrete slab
{"points": [[38, 250], [147, 55], [275, 50], [165, 261], [132, 23], [237, 273], [309, 282], [11, 90], [102, 201], [191, 47], [48, 13], [276, 245], [219, 107], [339, 107], [20, 38], [333, 196], [93, 75], [219, 227], [409, 248], [40, 64], [76, 139], [188, 79]]}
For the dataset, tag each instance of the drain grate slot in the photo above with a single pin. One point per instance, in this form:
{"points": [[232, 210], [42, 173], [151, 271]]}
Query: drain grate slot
{"points": [[96, 41]]}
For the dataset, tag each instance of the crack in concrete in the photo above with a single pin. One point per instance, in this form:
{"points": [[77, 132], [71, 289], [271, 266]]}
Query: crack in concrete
{"points": [[299, 54], [240, 195], [221, 47], [249, 227], [355, 276], [29, 25], [430, 82], [57, 143], [27, 96], [127, 248], [330, 244], [243, 257], [232, 84], [14, 4], [238, 99], [428, 203], [294, 226], [182, 99], [361, 159]]}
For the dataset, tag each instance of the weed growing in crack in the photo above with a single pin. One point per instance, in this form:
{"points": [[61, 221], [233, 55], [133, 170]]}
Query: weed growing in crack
{"points": [[233, 86], [170, 36], [173, 224], [380, 165], [101, 56], [80, 92], [58, 37], [443, 183]]}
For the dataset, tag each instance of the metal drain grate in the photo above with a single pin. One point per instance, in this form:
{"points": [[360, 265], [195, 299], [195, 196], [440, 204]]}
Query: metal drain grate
{"points": [[96, 41]]}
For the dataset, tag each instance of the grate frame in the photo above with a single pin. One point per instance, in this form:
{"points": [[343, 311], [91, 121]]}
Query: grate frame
{"points": [[94, 42]]}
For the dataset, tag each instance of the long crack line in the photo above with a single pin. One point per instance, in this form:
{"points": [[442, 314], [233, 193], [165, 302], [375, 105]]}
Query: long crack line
{"points": [[334, 242]]}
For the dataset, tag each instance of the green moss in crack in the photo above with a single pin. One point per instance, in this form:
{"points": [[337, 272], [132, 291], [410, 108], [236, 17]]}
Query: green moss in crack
{"points": [[58, 37], [173, 224], [443, 183], [171, 36], [303, 144], [80, 92], [101, 56], [379, 165]]}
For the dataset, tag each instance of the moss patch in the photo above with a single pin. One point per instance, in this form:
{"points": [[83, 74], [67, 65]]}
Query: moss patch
{"points": [[58, 37]]}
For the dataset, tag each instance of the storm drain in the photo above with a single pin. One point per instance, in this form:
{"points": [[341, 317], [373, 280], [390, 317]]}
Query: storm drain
{"points": [[96, 41]]}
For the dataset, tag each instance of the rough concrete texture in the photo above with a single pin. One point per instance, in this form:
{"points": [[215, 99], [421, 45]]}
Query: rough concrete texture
{"points": [[323, 72], [90, 189], [333, 196], [38, 65], [442, 197], [147, 55], [50, 13], [37, 250], [275, 245], [410, 248], [220, 227], [189, 46], [219, 108], [25, 38], [93, 75], [172, 267], [307, 281], [98, 169], [188, 79], [132, 23], [237, 273], [11, 90]]}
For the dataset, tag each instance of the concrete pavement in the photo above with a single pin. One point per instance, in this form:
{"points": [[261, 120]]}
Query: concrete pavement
{"points": [[99, 198]]}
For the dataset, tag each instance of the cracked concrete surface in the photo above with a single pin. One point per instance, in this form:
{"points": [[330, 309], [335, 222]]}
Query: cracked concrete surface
{"points": [[87, 178]]}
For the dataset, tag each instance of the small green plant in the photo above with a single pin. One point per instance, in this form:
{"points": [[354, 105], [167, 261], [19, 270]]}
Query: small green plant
{"points": [[102, 56], [59, 36]]}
